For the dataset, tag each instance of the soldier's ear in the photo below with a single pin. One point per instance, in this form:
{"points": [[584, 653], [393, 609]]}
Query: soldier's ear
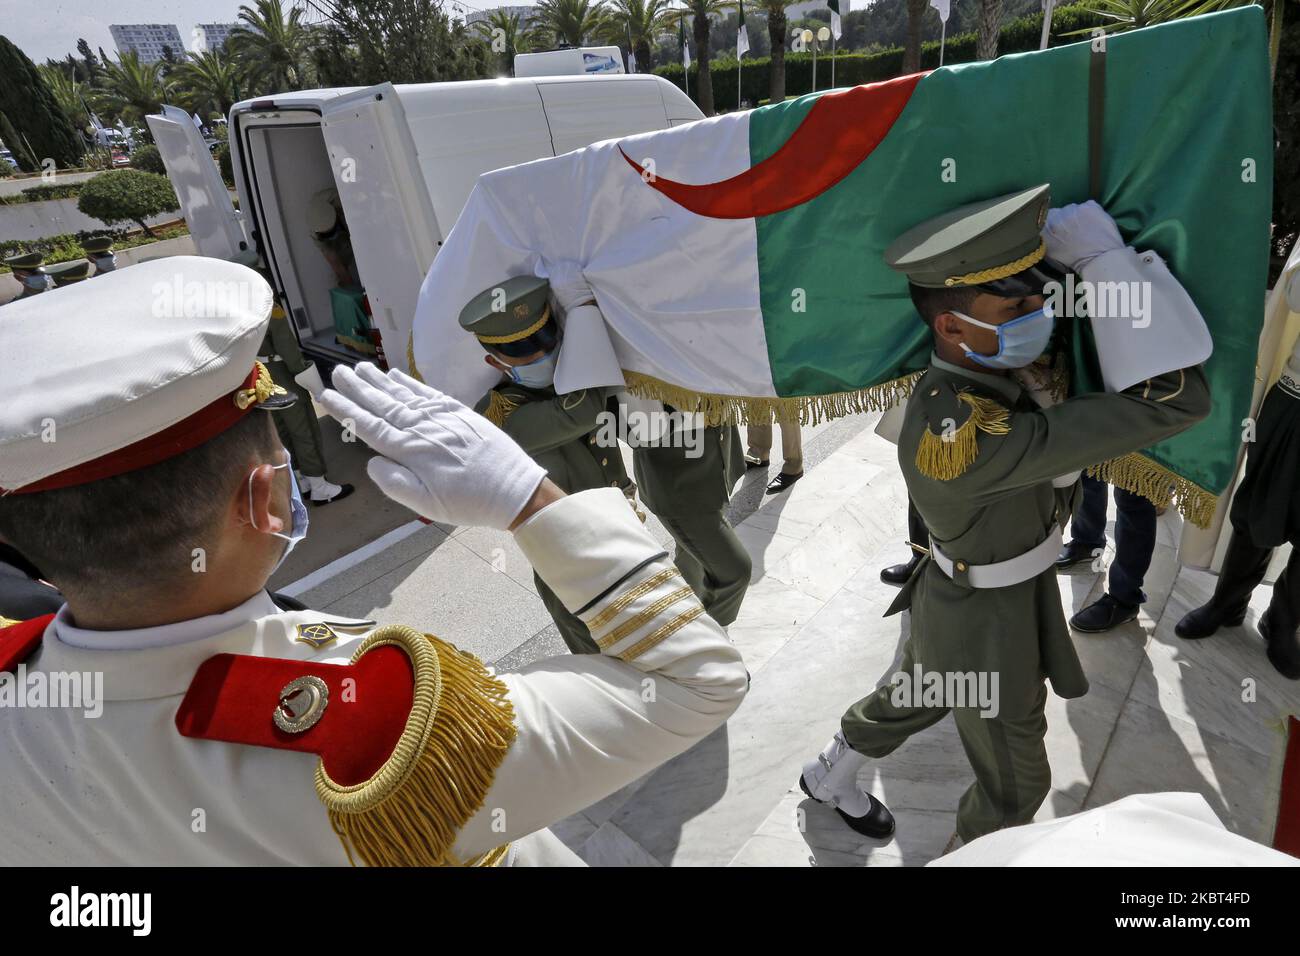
{"points": [[949, 327]]}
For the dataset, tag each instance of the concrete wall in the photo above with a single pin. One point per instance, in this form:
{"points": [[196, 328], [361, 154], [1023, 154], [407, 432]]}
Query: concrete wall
{"points": [[51, 217]]}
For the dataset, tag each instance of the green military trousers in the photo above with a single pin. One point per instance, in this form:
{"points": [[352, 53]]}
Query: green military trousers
{"points": [[298, 425], [575, 634], [1012, 776], [712, 561]]}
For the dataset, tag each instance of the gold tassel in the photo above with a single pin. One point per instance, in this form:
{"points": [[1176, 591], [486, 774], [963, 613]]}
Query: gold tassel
{"points": [[759, 410], [1139, 474], [946, 457], [460, 727], [410, 358], [499, 408]]}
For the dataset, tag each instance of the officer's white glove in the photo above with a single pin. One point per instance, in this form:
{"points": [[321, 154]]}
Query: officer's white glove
{"points": [[569, 285], [1078, 233], [440, 459]]}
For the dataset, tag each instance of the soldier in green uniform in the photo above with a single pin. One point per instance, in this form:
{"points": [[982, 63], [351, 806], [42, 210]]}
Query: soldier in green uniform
{"points": [[514, 323], [26, 269], [100, 251], [686, 479], [67, 273], [298, 425], [985, 464]]}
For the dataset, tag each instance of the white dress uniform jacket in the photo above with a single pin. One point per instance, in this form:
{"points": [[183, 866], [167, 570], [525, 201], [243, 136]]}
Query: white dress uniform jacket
{"points": [[125, 787]]}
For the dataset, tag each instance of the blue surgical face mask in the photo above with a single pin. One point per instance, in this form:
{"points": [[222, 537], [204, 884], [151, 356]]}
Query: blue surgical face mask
{"points": [[536, 374], [37, 282], [1020, 341], [299, 520]]}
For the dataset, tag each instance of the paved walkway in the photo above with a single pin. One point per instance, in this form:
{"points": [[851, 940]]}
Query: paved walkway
{"points": [[1163, 714]]}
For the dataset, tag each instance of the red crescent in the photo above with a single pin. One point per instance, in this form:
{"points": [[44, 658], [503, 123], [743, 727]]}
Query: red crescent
{"points": [[839, 132]]}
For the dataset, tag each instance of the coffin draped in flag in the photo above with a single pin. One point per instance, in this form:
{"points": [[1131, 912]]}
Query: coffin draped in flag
{"points": [[737, 261]]}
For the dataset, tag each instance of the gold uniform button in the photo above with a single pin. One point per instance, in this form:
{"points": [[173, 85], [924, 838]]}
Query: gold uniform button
{"points": [[613, 484], [591, 440], [934, 392], [604, 461], [961, 565]]}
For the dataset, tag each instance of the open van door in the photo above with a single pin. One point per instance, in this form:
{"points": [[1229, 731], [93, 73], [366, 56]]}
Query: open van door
{"points": [[394, 230], [215, 224]]}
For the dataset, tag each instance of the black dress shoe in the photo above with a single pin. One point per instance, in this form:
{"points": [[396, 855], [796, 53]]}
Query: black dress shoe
{"points": [[781, 482], [1282, 648], [899, 573], [1074, 554], [1204, 621], [1103, 615], [876, 823], [344, 491], [751, 462]]}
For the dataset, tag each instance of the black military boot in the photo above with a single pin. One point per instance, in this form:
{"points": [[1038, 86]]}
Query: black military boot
{"points": [[1075, 554], [1208, 618], [900, 573], [1282, 647]]}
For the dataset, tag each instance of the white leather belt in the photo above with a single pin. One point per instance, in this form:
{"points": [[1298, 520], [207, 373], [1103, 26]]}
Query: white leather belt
{"points": [[1003, 574]]}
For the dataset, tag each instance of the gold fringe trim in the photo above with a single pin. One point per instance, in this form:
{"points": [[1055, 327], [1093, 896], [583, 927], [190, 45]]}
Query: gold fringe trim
{"points": [[946, 457], [460, 727], [999, 272], [499, 408], [1139, 474], [410, 358], [760, 410]]}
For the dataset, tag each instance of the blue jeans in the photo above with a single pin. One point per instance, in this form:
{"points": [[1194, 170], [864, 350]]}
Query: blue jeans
{"points": [[1135, 537]]}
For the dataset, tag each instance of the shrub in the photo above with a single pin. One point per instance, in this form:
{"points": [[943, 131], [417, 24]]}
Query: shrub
{"points": [[148, 159], [222, 155], [127, 195]]}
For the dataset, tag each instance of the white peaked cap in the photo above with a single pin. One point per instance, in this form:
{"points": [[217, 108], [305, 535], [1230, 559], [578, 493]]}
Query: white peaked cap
{"points": [[104, 377]]}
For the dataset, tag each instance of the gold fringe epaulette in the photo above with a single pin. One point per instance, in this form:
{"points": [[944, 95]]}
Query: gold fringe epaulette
{"points": [[946, 456], [758, 410], [460, 727], [410, 358], [1142, 476], [499, 408]]}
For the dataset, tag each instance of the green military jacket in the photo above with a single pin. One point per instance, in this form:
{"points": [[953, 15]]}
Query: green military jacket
{"points": [[561, 433], [672, 483], [986, 495]]}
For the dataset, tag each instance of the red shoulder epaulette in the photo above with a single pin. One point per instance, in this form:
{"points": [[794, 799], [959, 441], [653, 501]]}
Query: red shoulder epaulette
{"points": [[350, 715], [18, 641]]}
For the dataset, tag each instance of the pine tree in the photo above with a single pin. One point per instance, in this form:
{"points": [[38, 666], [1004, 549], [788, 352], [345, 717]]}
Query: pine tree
{"points": [[26, 100]]}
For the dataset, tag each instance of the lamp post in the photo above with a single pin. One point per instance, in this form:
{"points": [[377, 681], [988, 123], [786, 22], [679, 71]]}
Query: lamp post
{"points": [[815, 40]]}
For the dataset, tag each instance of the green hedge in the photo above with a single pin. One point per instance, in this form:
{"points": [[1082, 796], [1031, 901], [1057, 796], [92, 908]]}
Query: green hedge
{"points": [[41, 193], [852, 69]]}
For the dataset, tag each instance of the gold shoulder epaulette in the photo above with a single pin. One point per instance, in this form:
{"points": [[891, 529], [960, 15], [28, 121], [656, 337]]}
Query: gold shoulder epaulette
{"points": [[499, 408], [948, 454]]}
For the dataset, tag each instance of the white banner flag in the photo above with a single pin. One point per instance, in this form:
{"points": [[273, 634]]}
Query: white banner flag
{"points": [[943, 6]]}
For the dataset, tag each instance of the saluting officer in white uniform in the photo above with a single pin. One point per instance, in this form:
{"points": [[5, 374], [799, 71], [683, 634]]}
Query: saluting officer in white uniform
{"points": [[140, 474]]}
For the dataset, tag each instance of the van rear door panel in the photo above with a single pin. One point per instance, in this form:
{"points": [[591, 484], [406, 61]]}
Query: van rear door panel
{"points": [[205, 202], [394, 229]]}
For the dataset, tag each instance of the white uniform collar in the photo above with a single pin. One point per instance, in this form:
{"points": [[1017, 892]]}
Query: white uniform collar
{"points": [[182, 632]]}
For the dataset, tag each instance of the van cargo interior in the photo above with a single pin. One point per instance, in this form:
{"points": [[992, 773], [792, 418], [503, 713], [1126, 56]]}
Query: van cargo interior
{"points": [[288, 165]]}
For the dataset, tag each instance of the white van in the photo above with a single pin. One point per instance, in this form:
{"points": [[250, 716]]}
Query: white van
{"points": [[591, 59], [403, 158]]}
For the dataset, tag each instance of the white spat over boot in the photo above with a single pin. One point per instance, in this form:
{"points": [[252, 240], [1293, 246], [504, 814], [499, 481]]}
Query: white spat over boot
{"points": [[832, 779]]}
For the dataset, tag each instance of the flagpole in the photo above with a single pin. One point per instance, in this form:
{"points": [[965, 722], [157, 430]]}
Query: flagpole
{"points": [[943, 32], [832, 61], [1047, 24]]}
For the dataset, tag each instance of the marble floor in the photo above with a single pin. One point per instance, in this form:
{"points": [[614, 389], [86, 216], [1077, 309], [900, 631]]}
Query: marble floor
{"points": [[1162, 713]]}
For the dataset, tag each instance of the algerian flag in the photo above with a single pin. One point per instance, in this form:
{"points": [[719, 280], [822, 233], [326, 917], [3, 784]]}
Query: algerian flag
{"points": [[686, 49], [835, 18], [738, 262], [742, 34]]}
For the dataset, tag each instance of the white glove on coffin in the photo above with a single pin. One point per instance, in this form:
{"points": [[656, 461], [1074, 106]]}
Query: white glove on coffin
{"points": [[439, 458]]}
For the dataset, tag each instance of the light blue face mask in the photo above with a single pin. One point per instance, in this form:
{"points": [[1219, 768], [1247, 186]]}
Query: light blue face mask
{"points": [[1020, 341], [539, 373], [297, 509], [37, 282]]}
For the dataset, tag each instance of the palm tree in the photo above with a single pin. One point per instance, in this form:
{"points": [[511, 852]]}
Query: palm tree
{"points": [[699, 11], [989, 24], [776, 33], [637, 22], [570, 21], [912, 47], [504, 30], [134, 89], [210, 82], [270, 46], [67, 92]]}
